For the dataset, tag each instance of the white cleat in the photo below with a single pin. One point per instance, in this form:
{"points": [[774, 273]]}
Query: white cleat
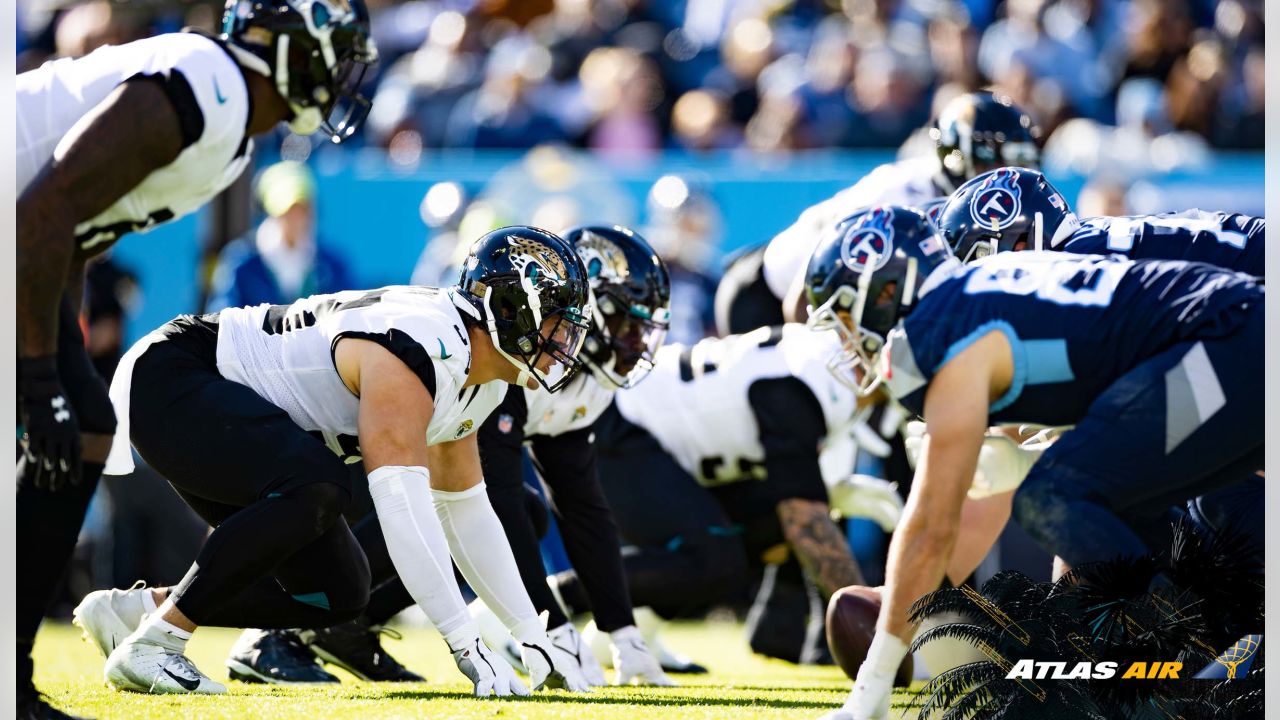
{"points": [[141, 666], [567, 638], [107, 617]]}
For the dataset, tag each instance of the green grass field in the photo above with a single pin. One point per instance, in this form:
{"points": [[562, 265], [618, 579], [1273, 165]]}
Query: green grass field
{"points": [[69, 671]]}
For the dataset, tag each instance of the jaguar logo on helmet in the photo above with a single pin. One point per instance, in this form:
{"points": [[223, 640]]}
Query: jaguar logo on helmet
{"points": [[532, 258], [997, 204], [603, 259], [872, 236]]}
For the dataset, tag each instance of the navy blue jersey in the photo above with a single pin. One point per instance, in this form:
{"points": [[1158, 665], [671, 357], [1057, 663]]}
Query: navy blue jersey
{"points": [[1228, 240], [1075, 323]]}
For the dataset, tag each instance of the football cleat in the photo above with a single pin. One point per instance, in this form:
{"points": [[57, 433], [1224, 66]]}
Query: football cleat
{"points": [[107, 617], [141, 665], [636, 665], [277, 657], [358, 649], [651, 629]]}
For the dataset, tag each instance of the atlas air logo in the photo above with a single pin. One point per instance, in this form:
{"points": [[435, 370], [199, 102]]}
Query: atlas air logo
{"points": [[1235, 662], [998, 201], [1038, 670], [869, 234]]}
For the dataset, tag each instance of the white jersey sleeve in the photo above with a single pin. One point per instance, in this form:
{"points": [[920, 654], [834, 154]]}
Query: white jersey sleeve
{"points": [[572, 408], [208, 90], [906, 182], [696, 402], [285, 354]]}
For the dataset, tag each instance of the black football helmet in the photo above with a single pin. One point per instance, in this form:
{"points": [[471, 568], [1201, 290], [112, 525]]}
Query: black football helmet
{"points": [[1003, 210], [315, 51], [866, 276], [981, 131], [632, 299], [518, 279]]}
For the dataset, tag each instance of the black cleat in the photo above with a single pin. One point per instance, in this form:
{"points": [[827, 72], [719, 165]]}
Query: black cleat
{"points": [[358, 649], [33, 706], [687, 667], [277, 657]]}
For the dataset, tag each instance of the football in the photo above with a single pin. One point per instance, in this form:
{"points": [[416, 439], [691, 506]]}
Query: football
{"points": [[851, 623]]}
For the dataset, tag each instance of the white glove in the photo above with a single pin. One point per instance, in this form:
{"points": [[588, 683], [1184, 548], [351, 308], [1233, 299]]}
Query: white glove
{"points": [[869, 699], [1002, 465], [635, 664], [867, 497], [567, 638], [487, 672], [551, 667]]}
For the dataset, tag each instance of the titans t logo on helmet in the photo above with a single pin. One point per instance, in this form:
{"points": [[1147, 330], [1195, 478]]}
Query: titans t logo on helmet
{"points": [[998, 202], [872, 235]]}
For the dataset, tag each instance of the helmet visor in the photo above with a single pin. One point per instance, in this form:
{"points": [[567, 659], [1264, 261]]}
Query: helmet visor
{"points": [[634, 338], [556, 361], [346, 113]]}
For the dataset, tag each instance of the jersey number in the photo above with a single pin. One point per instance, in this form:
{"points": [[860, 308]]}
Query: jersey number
{"points": [[1087, 282], [711, 470], [306, 312]]}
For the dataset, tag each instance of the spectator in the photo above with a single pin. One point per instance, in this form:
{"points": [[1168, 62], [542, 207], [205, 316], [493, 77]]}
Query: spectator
{"points": [[700, 122], [683, 226], [503, 112], [623, 88], [282, 260]]}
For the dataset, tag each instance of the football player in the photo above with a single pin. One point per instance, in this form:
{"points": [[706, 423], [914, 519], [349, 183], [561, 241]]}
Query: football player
{"points": [[631, 289], [121, 140], [713, 466], [1156, 363], [1018, 209], [225, 407], [974, 133]]}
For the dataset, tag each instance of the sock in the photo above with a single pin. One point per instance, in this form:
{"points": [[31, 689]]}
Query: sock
{"points": [[157, 631]]}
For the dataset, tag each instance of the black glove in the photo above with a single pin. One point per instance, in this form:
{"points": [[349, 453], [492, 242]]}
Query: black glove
{"points": [[52, 429]]}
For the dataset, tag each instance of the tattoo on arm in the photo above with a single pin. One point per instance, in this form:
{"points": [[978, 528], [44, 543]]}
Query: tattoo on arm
{"points": [[818, 544], [112, 149]]}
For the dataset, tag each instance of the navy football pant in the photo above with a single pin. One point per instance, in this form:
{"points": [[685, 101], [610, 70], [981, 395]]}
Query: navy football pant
{"points": [[1184, 423]]}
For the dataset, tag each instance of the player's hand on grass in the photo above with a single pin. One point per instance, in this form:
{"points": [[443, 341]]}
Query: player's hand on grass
{"points": [[488, 673], [567, 638], [872, 690], [635, 664], [552, 667], [52, 430]]}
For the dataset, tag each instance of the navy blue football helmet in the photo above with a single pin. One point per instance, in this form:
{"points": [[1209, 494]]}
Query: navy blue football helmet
{"points": [[866, 276], [1003, 210], [632, 293], [980, 131], [932, 209]]}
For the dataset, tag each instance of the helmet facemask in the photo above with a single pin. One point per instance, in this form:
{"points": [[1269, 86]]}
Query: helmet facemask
{"points": [[624, 340], [558, 336]]}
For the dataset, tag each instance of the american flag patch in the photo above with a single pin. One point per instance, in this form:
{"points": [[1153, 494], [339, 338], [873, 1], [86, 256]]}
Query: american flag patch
{"points": [[1056, 200], [931, 245]]}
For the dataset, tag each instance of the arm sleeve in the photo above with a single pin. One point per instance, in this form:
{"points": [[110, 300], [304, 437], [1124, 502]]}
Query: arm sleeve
{"points": [[501, 440], [791, 429], [567, 464]]}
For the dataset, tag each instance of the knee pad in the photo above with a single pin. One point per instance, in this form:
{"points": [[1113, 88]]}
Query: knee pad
{"points": [[323, 504]]}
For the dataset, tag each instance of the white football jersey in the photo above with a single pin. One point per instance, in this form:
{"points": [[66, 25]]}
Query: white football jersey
{"points": [[906, 182], [285, 354], [695, 403], [54, 98], [572, 408]]}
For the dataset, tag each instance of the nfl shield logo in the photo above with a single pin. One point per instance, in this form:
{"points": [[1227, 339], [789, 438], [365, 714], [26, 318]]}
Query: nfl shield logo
{"points": [[504, 424]]}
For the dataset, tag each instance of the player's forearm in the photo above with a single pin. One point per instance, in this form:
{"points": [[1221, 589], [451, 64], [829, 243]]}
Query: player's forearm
{"points": [[918, 558], [479, 547], [818, 544], [45, 249]]}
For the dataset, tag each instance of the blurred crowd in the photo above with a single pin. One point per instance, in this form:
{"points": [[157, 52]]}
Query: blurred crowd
{"points": [[638, 76]]}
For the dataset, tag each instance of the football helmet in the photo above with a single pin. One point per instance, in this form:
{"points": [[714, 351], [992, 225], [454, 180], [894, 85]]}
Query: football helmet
{"points": [[316, 53], [529, 289], [632, 299], [864, 277], [981, 131], [932, 209], [1003, 210]]}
